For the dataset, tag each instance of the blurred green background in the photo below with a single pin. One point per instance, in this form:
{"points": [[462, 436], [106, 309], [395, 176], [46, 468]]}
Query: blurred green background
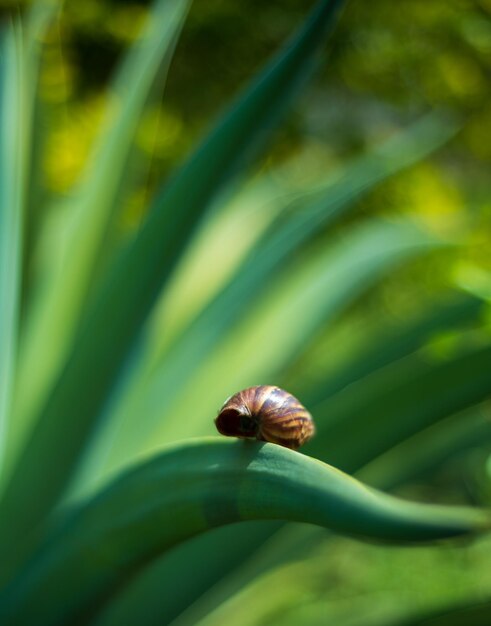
{"points": [[384, 68], [387, 65]]}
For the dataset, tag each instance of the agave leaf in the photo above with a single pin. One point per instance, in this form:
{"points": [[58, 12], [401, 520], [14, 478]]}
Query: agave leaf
{"points": [[38, 20], [56, 311], [388, 343], [430, 448], [191, 488], [145, 599], [12, 186], [115, 318], [359, 424], [19, 166], [389, 585]]}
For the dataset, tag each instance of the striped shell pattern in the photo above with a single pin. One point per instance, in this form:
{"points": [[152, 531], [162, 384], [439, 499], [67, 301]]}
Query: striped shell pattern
{"points": [[266, 413]]}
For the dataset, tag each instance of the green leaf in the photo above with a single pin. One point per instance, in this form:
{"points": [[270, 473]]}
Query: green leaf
{"points": [[419, 455], [108, 332], [37, 22], [147, 601], [12, 182], [58, 308], [191, 488], [388, 344]]}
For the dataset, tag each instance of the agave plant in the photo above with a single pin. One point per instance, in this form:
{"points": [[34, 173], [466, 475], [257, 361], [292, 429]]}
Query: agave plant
{"points": [[119, 503]]}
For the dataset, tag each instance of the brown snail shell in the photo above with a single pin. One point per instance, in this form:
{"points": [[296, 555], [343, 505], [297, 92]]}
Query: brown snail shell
{"points": [[266, 413]]}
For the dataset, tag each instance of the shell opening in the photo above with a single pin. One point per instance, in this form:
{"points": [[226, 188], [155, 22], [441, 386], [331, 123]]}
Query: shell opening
{"points": [[234, 423]]}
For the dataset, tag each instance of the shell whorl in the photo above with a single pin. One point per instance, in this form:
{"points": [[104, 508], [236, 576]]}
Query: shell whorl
{"points": [[266, 413]]}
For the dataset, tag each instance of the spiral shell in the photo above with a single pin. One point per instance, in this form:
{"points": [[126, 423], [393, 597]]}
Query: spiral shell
{"points": [[266, 413]]}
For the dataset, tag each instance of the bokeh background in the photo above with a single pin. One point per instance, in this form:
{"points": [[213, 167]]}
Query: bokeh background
{"points": [[384, 68], [387, 65]]}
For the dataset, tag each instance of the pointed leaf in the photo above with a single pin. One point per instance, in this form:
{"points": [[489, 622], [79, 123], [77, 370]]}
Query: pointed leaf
{"points": [[12, 181], [191, 488], [418, 392], [416, 457]]}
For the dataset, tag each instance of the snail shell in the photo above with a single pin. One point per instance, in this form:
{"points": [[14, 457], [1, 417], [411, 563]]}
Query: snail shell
{"points": [[266, 413]]}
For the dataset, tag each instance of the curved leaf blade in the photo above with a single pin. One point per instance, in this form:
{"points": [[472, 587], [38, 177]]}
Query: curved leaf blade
{"points": [[419, 455], [13, 150], [194, 487], [388, 345], [420, 393], [144, 600]]}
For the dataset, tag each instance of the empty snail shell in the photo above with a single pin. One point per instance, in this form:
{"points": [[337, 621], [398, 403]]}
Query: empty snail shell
{"points": [[266, 413]]}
